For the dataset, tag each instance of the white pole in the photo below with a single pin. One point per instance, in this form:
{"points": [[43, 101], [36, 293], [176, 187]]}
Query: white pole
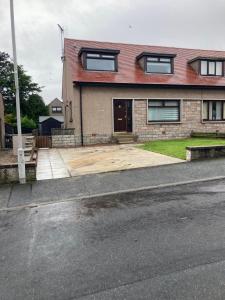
{"points": [[21, 160]]}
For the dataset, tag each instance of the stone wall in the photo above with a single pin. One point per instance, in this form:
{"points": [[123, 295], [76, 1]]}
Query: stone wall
{"points": [[9, 173], [61, 141], [199, 152], [191, 120]]}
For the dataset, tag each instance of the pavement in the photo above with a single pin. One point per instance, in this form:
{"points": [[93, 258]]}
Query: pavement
{"points": [[90, 185], [60, 163], [166, 243]]}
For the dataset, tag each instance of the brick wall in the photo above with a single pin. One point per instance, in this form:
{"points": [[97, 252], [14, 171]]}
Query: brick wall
{"points": [[190, 121]]}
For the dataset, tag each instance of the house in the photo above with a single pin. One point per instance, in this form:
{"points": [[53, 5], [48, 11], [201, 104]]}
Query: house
{"points": [[2, 124], [55, 107], [47, 123], [151, 92]]}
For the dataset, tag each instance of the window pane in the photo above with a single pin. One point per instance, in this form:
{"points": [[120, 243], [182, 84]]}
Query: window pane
{"points": [[210, 110], [205, 110], [204, 67], [215, 110], [93, 55], [171, 103], [158, 67], [165, 59], [108, 56], [101, 64], [163, 114], [155, 103], [218, 110], [152, 58], [219, 68], [212, 67]]}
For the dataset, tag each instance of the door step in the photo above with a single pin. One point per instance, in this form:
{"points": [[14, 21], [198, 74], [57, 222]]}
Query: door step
{"points": [[124, 138]]}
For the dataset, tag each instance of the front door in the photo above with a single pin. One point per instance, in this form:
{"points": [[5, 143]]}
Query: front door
{"points": [[122, 115]]}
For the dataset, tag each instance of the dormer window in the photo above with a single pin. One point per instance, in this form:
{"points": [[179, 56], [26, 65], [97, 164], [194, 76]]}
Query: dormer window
{"points": [[156, 63], [208, 66], [99, 59], [211, 68]]}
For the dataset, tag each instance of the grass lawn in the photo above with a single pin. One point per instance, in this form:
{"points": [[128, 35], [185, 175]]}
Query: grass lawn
{"points": [[176, 148]]}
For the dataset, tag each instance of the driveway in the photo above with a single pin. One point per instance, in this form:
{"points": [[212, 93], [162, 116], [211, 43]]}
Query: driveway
{"points": [[60, 163]]}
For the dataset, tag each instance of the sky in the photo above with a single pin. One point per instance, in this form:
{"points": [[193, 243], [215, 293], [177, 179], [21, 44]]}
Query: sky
{"points": [[179, 23]]}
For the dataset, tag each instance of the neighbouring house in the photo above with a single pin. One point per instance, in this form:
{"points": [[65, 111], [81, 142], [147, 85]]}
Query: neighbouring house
{"points": [[47, 123], [55, 107], [2, 123], [150, 92]]}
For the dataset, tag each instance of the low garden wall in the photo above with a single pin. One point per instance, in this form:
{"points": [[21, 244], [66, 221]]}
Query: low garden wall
{"points": [[61, 141], [204, 152], [9, 172]]}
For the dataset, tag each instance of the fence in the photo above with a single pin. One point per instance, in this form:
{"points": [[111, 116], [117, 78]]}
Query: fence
{"points": [[43, 141], [8, 141]]}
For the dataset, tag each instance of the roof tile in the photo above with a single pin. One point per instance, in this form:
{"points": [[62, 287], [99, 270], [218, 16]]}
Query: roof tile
{"points": [[129, 71]]}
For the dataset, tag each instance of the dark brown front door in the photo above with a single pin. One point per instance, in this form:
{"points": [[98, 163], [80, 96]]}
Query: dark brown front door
{"points": [[122, 115]]}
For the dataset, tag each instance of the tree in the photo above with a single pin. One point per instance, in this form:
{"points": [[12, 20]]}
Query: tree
{"points": [[36, 107], [7, 89]]}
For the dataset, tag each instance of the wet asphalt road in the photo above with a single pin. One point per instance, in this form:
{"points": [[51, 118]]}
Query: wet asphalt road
{"points": [[161, 244]]}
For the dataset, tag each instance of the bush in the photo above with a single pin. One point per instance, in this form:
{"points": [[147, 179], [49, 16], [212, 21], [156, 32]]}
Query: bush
{"points": [[28, 123]]}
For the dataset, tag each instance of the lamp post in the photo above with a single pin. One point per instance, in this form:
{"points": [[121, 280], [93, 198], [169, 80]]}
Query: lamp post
{"points": [[21, 159]]}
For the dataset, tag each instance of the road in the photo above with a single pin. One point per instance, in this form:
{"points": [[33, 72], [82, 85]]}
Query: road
{"points": [[160, 244]]}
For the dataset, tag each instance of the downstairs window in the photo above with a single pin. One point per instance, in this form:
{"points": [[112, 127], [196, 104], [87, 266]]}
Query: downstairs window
{"points": [[213, 110], [163, 110]]}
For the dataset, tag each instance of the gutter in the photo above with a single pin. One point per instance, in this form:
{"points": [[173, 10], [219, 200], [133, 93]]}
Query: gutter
{"points": [[149, 85]]}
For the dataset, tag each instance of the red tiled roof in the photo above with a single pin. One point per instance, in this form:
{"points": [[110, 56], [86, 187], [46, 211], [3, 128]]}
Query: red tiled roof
{"points": [[129, 71]]}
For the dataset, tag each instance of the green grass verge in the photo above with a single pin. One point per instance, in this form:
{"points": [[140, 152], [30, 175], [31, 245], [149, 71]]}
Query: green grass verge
{"points": [[177, 148]]}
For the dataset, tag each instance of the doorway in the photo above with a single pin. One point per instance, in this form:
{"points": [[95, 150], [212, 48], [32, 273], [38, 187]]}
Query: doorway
{"points": [[122, 115]]}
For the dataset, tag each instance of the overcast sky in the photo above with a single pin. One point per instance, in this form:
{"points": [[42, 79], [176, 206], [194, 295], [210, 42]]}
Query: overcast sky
{"points": [[181, 23]]}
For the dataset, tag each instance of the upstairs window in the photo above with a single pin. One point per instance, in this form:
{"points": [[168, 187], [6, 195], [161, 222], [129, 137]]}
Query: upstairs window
{"points": [[56, 109], [213, 110], [162, 65], [163, 110], [211, 68], [100, 62]]}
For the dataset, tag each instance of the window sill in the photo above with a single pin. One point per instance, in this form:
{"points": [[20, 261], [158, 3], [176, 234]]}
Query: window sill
{"points": [[108, 71], [213, 122], [164, 122], [149, 73]]}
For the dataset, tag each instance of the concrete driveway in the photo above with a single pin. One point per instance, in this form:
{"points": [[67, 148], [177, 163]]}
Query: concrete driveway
{"points": [[60, 163]]}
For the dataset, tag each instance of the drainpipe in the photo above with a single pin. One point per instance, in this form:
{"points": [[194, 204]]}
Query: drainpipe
{"points": [[81, 117]]}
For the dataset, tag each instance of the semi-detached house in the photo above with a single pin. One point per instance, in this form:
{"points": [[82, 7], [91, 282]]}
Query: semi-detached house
{"points": [[149, 92]]}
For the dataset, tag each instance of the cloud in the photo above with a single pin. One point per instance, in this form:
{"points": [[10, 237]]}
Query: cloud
{"points": [[186, 23]]}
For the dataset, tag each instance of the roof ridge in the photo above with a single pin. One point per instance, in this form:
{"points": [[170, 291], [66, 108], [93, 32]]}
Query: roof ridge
{"points": [[147, 45]]}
